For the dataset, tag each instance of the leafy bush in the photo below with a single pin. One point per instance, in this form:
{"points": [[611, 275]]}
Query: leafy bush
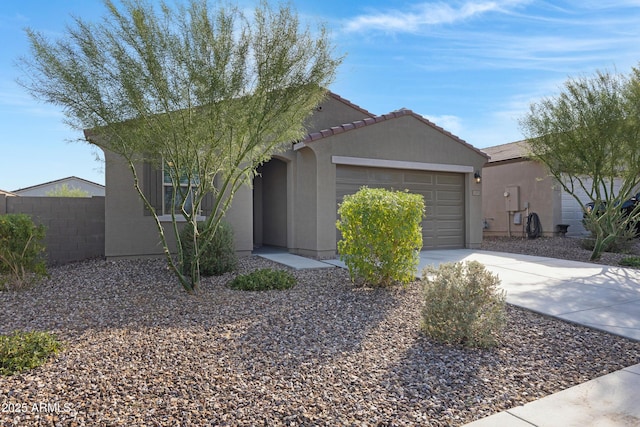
{"points": [[65, 191], [20, 351], [217, 257], [381, 235], [21, 251], [463, 304], [263, 280], [631, 261]]}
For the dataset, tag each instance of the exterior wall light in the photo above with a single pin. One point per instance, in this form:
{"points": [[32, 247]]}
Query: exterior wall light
{"points": [[477, 176]]}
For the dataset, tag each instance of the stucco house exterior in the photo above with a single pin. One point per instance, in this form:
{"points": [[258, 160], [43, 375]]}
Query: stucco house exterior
{"points": [[513, 186], [7, 193], [293, 203], [71, 182]]}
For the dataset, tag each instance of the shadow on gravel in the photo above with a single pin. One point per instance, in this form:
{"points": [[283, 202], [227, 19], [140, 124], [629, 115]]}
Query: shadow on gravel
{"points": [[323, 315], [538, 356]]}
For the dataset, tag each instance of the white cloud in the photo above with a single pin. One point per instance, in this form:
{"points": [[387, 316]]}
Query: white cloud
{"points": [[425, 14]]}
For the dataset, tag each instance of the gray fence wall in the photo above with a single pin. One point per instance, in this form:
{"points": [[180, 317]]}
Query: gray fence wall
{"points": [[75, 226]]}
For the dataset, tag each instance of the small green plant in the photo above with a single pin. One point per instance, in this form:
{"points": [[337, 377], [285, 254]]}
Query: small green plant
{"points": [[463, 304], [263, 280], [21, 251], [20, 351], [381, 235], [217, 257], [630, 261]]}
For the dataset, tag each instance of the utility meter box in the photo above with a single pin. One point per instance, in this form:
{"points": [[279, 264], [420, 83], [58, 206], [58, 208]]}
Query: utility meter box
{"points": [[512, 198], [517, 218]]}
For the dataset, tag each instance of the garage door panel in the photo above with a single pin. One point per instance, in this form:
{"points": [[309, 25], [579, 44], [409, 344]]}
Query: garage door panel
{"points": [[443, 193], [352, 174], [386, 177], [448, 179], [418, 178], [450, 211], [448, 195], [448, 228]]}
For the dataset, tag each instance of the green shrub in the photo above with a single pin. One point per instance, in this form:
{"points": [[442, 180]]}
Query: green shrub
{"points": [[381, 235], [65, 191], [21, 251], [20, 351], [463, 304], [630, 261], [263, 280], [216, 258]]}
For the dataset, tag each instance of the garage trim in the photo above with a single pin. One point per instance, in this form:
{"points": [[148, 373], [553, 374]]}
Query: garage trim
{"points": [[399, 164]]}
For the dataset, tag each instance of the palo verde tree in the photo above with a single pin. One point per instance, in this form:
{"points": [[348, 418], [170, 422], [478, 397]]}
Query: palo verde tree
{"points": [[203, 93], [588, 137], [65, 191]]}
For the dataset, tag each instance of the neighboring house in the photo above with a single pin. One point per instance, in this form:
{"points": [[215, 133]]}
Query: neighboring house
{"points": [[72, 182], [7, 193], [293, 203], [3, 200], [515, 186]]}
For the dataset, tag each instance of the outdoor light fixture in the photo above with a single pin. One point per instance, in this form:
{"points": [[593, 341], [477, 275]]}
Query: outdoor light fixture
{"points": [[477, 176]]}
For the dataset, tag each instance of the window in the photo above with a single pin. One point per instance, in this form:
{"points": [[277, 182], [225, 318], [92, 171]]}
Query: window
{"points": [[182, 193]]}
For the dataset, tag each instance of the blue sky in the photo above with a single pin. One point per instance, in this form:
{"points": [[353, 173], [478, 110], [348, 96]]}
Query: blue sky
{"points": [[472, 67]]}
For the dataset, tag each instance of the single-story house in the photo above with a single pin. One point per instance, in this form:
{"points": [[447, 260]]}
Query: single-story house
{"points": [[71, 182], [293, 202], [514, 186], [7, 193]]}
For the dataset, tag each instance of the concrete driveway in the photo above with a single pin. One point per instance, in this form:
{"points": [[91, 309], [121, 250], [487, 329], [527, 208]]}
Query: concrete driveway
{"points": [[599, 296]]}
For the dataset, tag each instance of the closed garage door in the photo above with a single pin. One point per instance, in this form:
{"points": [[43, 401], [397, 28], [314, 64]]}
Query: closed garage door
{"points": [[443, 194]]}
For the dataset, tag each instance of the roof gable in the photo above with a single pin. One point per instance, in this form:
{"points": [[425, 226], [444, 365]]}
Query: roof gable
{"points": [[350, 104], [335, 130], [61, 181]]}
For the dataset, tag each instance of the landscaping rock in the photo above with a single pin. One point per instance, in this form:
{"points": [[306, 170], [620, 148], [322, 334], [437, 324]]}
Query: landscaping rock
{"points": [[138, 350]]}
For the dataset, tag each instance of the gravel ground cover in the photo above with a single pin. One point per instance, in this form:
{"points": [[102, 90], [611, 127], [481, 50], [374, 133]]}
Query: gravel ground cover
{"points": [[557, 247], [140, 351]]}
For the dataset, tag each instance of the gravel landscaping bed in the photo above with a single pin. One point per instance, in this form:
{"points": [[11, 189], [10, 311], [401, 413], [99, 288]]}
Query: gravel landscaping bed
{"points": [[140, 351], [557, 247]]}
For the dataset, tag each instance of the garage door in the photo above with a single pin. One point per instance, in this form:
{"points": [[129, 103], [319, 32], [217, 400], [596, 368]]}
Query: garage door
{"points": [[443, 194]]}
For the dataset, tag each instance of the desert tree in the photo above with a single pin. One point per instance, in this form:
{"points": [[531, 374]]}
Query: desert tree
{"points": [[65, 191], [207, 94], [588, 137]]}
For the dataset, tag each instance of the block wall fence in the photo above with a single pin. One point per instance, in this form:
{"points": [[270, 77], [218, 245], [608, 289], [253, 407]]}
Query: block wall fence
{"points": [[74, 225]]}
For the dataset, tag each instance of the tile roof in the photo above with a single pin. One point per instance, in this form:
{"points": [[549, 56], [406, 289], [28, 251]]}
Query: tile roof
{"points": [[335, 130], [518, 150]]}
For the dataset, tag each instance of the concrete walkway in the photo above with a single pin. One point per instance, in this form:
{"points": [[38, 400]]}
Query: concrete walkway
{"points": [[601, 297]]}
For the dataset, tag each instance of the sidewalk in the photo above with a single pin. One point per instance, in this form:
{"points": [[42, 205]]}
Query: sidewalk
{"points": [[598, 296]]}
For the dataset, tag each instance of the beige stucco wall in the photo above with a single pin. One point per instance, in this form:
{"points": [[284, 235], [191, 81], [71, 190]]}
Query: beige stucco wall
{"points": [[405, 139], [129, 233], [310, 186], [333, 112], [537, 191]]}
